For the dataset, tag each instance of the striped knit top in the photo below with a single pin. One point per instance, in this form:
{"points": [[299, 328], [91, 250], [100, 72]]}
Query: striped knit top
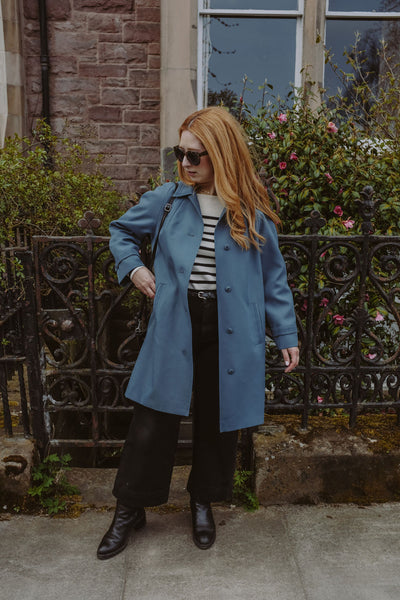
{"points": [[204, 271]]}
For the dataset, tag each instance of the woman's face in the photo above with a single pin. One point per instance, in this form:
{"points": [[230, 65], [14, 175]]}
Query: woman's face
{"points": [[203, 173]]}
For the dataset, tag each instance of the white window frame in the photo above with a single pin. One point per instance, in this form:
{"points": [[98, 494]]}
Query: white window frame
{"points": [[357, 16], [367, 15], [204, 13]]}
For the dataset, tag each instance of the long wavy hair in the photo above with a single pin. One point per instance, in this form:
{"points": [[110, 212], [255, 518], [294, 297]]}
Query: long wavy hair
{"points": [[235, 178]]}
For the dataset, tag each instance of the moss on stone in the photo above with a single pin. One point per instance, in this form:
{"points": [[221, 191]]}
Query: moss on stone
{"points": [[380, 431]]}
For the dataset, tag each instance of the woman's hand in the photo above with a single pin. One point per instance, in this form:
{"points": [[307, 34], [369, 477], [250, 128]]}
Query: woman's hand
{"points": [[145, 281], [291, 358]]}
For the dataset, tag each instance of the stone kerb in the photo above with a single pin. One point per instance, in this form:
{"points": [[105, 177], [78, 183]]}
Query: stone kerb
{"points": [[17, 457], [322, 466]]}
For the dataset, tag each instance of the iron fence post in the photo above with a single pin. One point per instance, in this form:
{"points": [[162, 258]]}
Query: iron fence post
{"points": [[314, 222], [32, 352], [367, 207], [92, 321]]}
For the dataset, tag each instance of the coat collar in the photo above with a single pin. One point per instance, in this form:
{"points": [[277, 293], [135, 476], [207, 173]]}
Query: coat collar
{"points": [[183, 190], [187, 190]]}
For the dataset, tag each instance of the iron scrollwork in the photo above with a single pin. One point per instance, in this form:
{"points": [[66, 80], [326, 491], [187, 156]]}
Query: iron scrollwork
{"points": [[347, 298]]}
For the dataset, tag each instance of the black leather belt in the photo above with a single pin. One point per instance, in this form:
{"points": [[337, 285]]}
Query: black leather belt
{"points": [[203, 295]]}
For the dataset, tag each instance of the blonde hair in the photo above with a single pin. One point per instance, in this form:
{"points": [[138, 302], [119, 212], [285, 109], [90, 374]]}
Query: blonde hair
{"points": [[235, 178]]}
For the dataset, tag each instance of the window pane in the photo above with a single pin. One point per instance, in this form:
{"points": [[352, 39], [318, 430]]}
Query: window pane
{"points": [[262, 49], [340, 35], [254, 4], [365, 5]]}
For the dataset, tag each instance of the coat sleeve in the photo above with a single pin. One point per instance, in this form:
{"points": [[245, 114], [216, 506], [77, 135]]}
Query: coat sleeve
{"points": [[279, 307], [128, 232]]}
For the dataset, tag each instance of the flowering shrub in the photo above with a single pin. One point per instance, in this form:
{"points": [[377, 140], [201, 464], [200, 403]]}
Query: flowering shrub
{"points": [[320, 161], [321, 158]]}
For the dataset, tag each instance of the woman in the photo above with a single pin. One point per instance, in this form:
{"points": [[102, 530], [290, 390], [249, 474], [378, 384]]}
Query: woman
{"points": [[218, 271]]}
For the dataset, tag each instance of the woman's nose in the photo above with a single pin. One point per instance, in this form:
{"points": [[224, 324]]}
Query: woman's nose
{"points": [[185, 162]]}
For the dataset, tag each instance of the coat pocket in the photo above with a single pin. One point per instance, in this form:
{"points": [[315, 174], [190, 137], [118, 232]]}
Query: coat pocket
{"points": [[159, 297], [259, 325]]}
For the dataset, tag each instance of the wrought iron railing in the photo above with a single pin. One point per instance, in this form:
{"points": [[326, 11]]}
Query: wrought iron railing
{"points": [[14, 413], [347, 298]]}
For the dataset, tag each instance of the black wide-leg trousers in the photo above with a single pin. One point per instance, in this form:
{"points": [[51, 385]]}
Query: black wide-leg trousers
{"points": [[147, 460]]}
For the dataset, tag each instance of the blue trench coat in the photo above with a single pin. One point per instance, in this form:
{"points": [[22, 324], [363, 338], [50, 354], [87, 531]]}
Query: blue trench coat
{"points": [[250, 285]]}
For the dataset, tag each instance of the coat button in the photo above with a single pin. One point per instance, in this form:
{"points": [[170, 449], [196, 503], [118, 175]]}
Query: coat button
{"points": [[229, 330], [231, 371], [226, 247], [191, 233], [181, 270], [228, 289]]}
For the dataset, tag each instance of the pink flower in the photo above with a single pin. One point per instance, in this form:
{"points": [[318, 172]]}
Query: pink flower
{"points": [[331, 127], [282, 165], [294, 156], [304, 307], [329, 177], [241, 99], [371, 356], [340, 191], [324, 302], [284, 192], [379, 317], [338, 211], [338, 319], [349, 223], [320, 399], [282, 118], [366, 297], [266, 160], [323, 254], [271, 135]]}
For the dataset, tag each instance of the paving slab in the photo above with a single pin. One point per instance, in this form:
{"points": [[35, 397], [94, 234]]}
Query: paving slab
{"points": [[355, 551], [95, 486], [290, 552], [246, 562]]}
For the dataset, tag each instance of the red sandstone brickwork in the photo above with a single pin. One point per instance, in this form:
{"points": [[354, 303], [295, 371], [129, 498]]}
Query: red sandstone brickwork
{"points": [[104, 71]]}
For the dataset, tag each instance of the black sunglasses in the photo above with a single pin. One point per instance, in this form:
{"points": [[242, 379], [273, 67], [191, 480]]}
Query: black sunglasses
{"points": [[192, 156]]}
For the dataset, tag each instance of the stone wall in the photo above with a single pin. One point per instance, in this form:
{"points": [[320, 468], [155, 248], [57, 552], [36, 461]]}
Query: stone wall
{"points": [[327, 463], [105, 72]]}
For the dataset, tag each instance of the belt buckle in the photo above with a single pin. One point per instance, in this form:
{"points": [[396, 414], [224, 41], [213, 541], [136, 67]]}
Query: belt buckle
{"points": [[206, 295]]}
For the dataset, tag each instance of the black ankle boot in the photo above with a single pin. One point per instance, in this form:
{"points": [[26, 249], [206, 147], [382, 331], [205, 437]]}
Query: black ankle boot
{"points": [[116, 538], [203, 524]]}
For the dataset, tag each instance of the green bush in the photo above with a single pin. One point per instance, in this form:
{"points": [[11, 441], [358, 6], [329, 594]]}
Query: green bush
{"points": [[47, 183], [321, 155]]}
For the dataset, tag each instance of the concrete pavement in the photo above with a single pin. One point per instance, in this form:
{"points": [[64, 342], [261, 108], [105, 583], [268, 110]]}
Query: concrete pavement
{"points": [[324, 552]]}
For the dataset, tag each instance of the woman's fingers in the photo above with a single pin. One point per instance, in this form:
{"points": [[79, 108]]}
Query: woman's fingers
{"points": [[145, 281], [291, 358]]}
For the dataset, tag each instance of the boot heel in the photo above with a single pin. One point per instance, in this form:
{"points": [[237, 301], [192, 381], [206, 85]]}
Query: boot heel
{"points": [[140, 524]]}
